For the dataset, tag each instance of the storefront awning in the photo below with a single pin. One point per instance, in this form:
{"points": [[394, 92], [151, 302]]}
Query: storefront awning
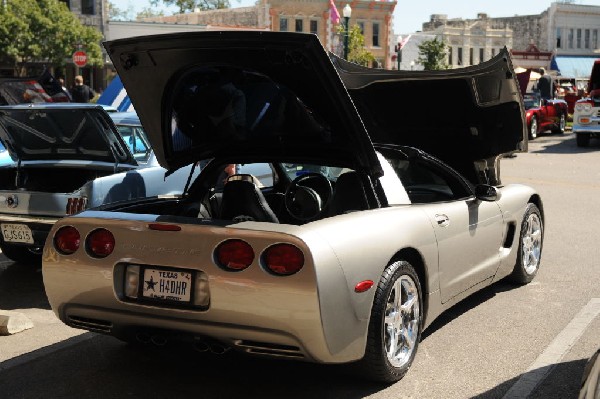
{"points": [[573, 66]]}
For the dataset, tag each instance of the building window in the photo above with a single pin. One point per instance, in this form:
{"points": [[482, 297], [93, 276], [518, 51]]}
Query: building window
{"points": [[450, 50], [481, 55], [587, 38], [283, 24], [375, 34], [361, 26], [558, 37], [459, 60], [471, 56], [67, 3], [595, 39], [570, 38], [87, 7], [493, 52], [578, 38], [314, 27], [299, 25]]}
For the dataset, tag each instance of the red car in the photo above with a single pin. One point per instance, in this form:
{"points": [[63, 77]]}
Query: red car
{"points": [[543, 115]]}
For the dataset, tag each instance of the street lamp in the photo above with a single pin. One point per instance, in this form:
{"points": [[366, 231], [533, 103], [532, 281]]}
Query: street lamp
{"points": [[399, 51], [346, 12]]}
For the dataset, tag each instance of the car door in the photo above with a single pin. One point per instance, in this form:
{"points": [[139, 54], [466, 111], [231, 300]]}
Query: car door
{"points": [[468, 231]]}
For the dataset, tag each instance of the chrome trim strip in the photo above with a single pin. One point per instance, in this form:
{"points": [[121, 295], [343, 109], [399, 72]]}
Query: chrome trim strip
{"points": [[28, 219]]}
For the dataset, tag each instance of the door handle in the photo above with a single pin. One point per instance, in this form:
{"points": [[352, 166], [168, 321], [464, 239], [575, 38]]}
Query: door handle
{"points": [[442, 220]]}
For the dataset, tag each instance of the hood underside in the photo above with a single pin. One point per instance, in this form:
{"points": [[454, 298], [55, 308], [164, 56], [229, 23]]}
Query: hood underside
{"points": [[62, 132], [459, 115], [203, 95]]}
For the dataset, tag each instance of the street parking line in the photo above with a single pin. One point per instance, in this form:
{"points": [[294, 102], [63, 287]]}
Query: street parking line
{"points": [[554, 352]]}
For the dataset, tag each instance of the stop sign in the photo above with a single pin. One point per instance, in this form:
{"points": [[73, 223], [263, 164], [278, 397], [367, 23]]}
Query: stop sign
{"points": [[80, 58]]}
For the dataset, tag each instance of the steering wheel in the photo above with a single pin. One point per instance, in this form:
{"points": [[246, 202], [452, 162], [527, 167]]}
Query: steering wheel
{"points": [[304, 202]]}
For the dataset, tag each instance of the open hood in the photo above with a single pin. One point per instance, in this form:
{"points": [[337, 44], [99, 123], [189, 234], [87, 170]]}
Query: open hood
{"points": [[41, 89], [216, 94], [62, 132], [461, 116]]}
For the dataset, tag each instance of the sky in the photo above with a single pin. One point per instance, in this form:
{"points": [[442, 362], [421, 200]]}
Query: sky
{"points": [[409, 15]]}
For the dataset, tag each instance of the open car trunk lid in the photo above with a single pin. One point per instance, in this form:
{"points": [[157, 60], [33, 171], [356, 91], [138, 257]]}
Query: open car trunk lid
{"points": [[62, 132], [202, 95], [466, 116]]}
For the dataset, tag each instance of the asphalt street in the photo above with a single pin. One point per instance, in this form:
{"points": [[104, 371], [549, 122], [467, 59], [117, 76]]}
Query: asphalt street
{"points": [[503, 342]]}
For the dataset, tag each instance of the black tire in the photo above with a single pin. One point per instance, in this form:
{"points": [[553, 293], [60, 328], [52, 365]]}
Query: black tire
{"points": [[376, 365], [562, 123], [21, 254], [583, 140], [529, 252], [533, 128]]}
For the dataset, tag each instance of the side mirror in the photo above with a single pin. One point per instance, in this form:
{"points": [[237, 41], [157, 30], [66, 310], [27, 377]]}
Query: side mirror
{"points": [[485, 192]]}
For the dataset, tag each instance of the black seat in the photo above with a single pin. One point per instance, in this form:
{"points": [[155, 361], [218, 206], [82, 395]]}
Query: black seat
{"points": [[242, 201], [348, 195]]}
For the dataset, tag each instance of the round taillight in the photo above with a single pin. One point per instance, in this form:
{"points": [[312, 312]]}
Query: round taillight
{"points": [[100, 243], [234, 255], [283, 259], [67, 240]]}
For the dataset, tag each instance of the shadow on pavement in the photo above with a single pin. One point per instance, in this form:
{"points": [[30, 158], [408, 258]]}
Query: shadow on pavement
{"points": [[21, 286], [102, 367], [466, 305], [567, 145], [565, 377]]}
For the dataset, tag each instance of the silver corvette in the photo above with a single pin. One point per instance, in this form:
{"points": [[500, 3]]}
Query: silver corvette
{"points": [[336, 215]]}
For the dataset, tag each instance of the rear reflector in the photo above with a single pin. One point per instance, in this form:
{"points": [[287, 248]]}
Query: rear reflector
{"points": [[363, 286], [67, 240], [234, 255], [100, 243], [283, 259]]}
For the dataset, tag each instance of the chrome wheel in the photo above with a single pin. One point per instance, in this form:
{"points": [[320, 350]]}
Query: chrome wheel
{"points": [[401, 327], [562, 124], [531, 242], [533, 128]]}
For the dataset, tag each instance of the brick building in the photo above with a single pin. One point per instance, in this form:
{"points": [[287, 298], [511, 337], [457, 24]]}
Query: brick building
{"points": [[309, 16]]}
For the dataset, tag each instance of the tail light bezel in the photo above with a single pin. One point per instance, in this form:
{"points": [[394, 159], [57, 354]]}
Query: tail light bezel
{"points": [[89, 245], [61, 249], [270, 268]]}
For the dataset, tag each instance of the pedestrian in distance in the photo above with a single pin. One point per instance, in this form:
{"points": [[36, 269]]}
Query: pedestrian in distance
{"points": [[81, 93], [546, 85]]}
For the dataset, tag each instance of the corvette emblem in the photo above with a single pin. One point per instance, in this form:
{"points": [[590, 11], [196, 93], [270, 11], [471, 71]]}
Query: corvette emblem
{"points": [[12, 201]]}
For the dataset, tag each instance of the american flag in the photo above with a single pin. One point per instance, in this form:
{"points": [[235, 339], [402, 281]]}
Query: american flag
{"points": [[335, 15]]}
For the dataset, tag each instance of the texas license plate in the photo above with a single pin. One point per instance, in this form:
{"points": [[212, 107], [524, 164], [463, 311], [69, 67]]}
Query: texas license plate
{"points": [[16, 233], [167, 285]]}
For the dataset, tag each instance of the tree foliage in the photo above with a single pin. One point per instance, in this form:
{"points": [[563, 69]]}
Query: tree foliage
{"points": [[432, 55], [44, 31], [357, 53], [191, 5]]}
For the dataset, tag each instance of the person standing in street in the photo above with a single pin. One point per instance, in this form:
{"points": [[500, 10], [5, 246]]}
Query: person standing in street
{"points": [[546, 85], [81, 93]]}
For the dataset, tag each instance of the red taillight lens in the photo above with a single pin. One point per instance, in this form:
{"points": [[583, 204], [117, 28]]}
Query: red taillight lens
{"points": [[234, 255], [100, 243], [283, 259], [67, 240]]}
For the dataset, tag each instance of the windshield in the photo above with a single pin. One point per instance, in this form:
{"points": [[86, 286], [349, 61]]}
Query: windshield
{"points": [[531, 101]]}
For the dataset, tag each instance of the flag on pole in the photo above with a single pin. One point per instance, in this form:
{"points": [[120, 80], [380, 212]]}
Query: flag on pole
{"points": [[335, 15]]}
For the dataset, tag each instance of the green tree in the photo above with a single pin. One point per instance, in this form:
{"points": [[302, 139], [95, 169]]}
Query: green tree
{"points": [[432, 55], [44, 31], [191, 5], [357, 53]]}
